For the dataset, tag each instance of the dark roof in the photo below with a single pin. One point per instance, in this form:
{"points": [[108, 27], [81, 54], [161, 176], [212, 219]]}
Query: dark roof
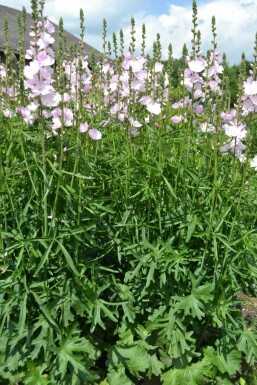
{"points": [[12, 15]]}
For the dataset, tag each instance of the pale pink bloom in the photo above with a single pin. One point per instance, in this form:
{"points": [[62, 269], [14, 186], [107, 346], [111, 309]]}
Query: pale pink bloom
{"points": [[33, 106], [30, 53], [248, 106], [154, 108], [213, 85], [138, 85], [145, 100], [228, 115], [46, 114], [121, 117], [56, 124], [31, 70], [26, 114], [197, 65], [250, 87], [206, 127], [7, 113], [50, 99], [235, 129], [177, 104], [253, 163], [141, 75], [44, 59], [236, 147], [198, 109], [45, 40], [2, 71], [254, 99], [94, 134], [134, 132], [176, 119], [57, 113], [198, 93], [68, 122], [105, 122], [49, 26], [158, 67], [128, 56], [66, 97], [135, 123], [83, 127], [68, 113], [136, 64], [114, 109]]}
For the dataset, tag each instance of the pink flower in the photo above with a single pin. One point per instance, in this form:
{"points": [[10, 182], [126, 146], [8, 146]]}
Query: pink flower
{"points": [[66, 97], [68, 113], [198, 93], [198, 109], [49, 26], [197, 65], [250, 87], [135, 123], [94, 134], [44, 59], [57, 113], [31, 70], [176, 119], [253, 163], [158, 67], [146, 100], [235, 129], [154, 108], [128, 56], [83, 127]]}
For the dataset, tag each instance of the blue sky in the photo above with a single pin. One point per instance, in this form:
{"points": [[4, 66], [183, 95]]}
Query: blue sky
{"points": [[236, 21]]}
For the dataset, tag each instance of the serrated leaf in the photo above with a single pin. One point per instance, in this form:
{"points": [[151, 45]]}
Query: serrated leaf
{"points": [[35, 375], [156, 366], [227, 360], [193, 374], [118, 377], [135, 358], [193, 304], [248, 344]]}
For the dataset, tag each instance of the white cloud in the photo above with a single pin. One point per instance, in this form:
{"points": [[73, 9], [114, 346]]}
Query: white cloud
{"points": [[236, 22], [236, 27]]}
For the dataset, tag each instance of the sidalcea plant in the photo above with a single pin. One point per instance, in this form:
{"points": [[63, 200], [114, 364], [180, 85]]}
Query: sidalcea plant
{"points": [[122, 256]]}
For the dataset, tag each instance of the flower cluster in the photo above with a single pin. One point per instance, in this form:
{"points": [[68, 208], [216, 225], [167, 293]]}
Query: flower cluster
{"points": [[135, 85]]}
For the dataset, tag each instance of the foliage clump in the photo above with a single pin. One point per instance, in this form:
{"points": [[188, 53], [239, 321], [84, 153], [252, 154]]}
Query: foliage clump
{"points": [[128, 214]]}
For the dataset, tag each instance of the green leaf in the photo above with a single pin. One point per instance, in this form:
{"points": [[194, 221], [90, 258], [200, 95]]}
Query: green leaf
{"points": [[118, 377], [46, 313], [193, 304], [76, 352], [193, 374], [68, 259], [227, 360], [135, 358], [156, 366], [248, 345], [35, 375], [170, 188]]}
